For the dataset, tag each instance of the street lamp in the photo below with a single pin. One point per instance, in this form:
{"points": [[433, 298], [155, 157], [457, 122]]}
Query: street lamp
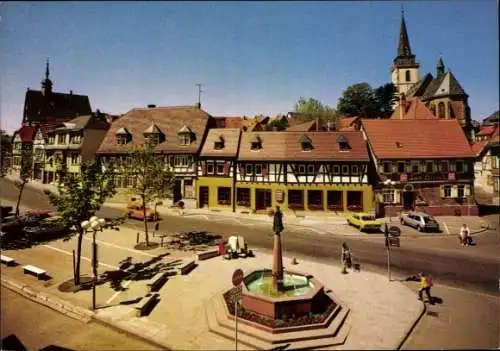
{"points": [[391, 183], [95, 223]]}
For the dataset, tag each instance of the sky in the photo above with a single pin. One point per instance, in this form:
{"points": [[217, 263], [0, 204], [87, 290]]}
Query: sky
{"points": [[251, 57]]}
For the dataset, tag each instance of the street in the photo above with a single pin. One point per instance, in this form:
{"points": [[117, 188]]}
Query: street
{"points": [[474, 268], [37, 326]]}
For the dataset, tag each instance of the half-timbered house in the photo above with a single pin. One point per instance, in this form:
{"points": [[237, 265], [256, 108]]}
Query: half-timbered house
{"points": [[216, 169], [324, 172], [426, 165], [178, 133]]}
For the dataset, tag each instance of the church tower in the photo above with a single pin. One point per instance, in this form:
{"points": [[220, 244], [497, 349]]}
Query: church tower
{"points": [[46, 83], [405, 70]]}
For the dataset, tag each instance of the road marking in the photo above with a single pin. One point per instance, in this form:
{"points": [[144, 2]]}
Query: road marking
{"points": [[121, 247], [199, 215], [446, 228], [82, 257], [118, 292]]}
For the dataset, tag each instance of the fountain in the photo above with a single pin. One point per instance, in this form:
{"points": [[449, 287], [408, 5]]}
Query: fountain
{"points": [[283, 305]]}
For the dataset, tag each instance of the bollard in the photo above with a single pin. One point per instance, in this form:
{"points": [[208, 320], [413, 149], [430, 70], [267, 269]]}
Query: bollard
{"points": [[137, 239]]}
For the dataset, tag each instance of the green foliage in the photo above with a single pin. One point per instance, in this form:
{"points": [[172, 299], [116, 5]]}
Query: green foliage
{"points": [[5, 152], [309, 109], [362, 100], [81, 195], [277, 125]]}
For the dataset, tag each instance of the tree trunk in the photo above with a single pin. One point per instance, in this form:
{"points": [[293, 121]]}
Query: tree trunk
{"points": [[21, 188], [145, 221], [78, 256]]}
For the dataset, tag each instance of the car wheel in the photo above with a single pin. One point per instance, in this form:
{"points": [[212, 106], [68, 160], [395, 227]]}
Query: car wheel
{"points": [[419, 228], [402, 221]]}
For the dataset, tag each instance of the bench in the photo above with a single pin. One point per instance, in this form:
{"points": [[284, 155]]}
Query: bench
{"points": [[35, 270], [186, 267], [156, 281], [145, 303], [208, 254], [7, 260]]}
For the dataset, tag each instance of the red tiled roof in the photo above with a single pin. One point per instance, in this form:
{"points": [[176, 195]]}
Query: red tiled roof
{"points": [[411, 139], [487, 130], [26, 133], [347, 123], [278, 146], [478, 147], [413, 109], [231, 140]]}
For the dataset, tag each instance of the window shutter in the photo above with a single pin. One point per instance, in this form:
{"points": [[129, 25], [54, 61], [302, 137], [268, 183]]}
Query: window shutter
{"points": [[454, 191], [226, 169], [441, 190], [396, 196], [204, 169], [467, 190]]}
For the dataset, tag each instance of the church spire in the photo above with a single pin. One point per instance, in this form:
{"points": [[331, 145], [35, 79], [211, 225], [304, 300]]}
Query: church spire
{"points": [[46, 83], [440, 67], [404, 56]]}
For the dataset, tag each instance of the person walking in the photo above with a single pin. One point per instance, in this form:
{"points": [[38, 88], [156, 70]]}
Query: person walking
{"points": [[464, 235], [425, 286], [345, 258]]}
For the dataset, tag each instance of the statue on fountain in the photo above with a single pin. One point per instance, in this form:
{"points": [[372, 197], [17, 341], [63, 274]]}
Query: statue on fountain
{"points": [[277, 272]]}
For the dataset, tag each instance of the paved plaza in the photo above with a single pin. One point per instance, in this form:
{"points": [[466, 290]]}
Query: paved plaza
{"points": [[382, 312]]}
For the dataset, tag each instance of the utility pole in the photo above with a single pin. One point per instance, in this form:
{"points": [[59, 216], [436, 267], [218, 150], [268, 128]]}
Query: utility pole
{"points": [[199, 95]]}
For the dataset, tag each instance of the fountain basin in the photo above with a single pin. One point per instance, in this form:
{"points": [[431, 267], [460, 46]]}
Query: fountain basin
{"points": [[302, 294]]}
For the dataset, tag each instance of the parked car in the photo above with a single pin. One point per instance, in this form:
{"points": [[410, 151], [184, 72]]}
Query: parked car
{"points": [[138, 213], [420, 221], [48, 226], [364, 221], [16, 224]]}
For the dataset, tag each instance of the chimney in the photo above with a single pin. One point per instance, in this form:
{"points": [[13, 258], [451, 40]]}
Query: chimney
{"points": [[151, 106], [402, 105]]}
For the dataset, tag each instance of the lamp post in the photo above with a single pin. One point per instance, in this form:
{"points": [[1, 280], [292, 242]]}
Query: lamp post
{"points": [[95, 223], [390, 183]]}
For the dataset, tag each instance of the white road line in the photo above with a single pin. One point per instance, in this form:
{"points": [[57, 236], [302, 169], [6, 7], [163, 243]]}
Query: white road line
{"points": [[446, 228], [121, 247], [118, 292], [199, 215], [82, 257]]}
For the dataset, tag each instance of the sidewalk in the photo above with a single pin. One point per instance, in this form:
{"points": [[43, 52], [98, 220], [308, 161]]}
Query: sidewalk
{"points": [[381, 315]]}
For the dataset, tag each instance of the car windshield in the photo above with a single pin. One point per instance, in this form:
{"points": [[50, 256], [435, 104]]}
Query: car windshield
{"points": [[368, 218]]}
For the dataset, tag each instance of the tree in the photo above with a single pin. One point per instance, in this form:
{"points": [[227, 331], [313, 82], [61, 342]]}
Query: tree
{"points": [[24, 174], [5, 152], [362, 100], [79, 197], [277, 124], [357, 100], [152, 178], [309, 109]]}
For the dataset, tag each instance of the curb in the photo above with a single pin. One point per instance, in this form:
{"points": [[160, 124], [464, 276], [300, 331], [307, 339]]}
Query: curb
{"points": [[406, 336], [48, 300]]}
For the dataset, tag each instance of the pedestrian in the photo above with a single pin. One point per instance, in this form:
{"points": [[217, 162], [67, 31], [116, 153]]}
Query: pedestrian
{"points": [[425, 285], [464, 235], [345, 258]]}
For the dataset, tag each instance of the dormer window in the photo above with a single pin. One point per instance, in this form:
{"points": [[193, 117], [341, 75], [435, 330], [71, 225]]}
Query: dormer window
{"points": [[256, 143], [154, 135], [123, 136], [306, 143], [219, 143], [185, 135], [343, 143]]}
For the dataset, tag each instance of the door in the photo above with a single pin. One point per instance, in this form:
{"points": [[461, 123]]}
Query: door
{"points": [[408, 200], [203, 196], [262, 199], [177, 193]]}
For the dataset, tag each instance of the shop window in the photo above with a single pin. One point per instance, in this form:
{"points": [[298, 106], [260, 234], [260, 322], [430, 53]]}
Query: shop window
{"points": [[296, 199], [224, 196], [243, 197], [334, 200], [355, 201], [315, 200]]}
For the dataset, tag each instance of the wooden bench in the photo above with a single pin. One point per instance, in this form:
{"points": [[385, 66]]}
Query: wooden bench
{"points": [[205, 255], [35, 270], [7, 260], [156, 282], [145, 303], [187, 266]]}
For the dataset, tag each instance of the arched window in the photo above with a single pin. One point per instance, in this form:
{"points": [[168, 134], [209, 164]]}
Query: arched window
{"points": [[433, 109], [441, 110], [408, 75], [451, 113]]}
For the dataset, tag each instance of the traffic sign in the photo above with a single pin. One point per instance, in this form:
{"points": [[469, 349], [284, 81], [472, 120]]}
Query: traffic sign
{"points": [[237, 277]]}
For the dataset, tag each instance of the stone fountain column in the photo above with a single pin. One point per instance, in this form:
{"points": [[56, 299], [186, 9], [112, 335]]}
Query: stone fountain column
{"points": [[277, 272], [277, 264]]}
